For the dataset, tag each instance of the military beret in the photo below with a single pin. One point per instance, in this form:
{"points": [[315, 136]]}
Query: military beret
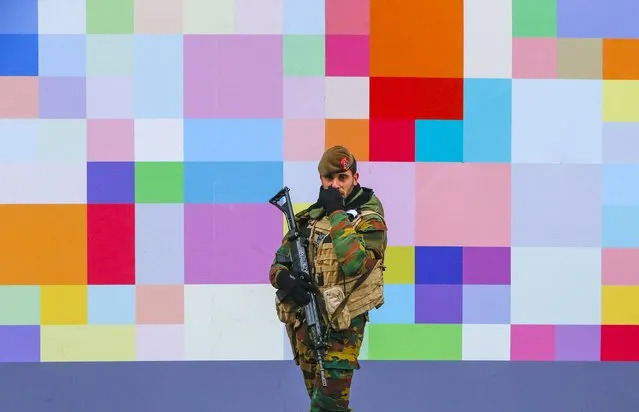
{"points": [[336, 159]]}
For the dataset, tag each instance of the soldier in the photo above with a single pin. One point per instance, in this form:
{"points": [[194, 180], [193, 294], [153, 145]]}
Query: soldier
{"points": [[347, 241]]}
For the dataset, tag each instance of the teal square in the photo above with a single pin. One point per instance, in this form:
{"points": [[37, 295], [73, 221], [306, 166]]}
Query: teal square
{"points": [[439, 140], [112, 305], [487, 120]]}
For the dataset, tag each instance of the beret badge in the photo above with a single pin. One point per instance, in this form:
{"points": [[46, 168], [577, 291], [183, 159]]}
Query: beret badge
{"points": [[345, 163]]}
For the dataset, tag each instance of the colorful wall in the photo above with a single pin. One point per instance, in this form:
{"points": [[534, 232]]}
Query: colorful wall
{"points": [[140, 141]]}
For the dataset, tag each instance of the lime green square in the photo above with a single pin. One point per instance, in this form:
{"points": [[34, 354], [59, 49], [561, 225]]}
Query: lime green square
{"points": [[414, 342], [19, 305], [304, 55], [109, 16], [159, 182], [534, 18]]}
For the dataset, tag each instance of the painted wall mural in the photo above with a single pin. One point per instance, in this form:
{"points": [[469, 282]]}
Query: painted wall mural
{"points": [[140, 142]]}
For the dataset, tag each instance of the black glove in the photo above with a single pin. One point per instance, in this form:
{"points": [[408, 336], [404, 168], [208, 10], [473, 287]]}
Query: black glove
{"points": [[331, 199], [296, 286]]}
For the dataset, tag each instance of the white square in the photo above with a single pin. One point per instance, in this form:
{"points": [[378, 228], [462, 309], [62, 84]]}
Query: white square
{"points": [[304, 181], [62, 16], [43, 182], [160, 342], [555, 286], [231, 322], [488, 38], [159, 140], [486, 342], [347, 97], [62, 140]]}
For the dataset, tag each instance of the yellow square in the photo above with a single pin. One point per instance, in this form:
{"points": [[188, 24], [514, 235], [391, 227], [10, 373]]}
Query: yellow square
{"points": [[63, 305], [400, 265], [620, 305], [297, 207], [88, 343], [621, 101]]}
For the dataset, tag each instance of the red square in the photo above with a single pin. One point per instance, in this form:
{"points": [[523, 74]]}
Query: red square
{"points": [[392, 141], [416, 98], [347, 55], [620, 343], [111, 244]]}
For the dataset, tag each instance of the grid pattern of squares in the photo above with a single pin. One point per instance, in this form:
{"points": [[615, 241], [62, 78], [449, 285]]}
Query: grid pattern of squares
{"points": [[140, 140]]}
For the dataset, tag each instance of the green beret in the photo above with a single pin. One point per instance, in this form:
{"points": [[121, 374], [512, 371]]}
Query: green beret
{"points": [[336, 159]]}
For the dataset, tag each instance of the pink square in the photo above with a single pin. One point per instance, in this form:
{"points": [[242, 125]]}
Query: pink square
{"points": [[620, 267], [347, 55], [110, 140], [462, 204], [19, 97], [347, 17], [389, 180], [534, 58], [532, 342], [303, 140]]}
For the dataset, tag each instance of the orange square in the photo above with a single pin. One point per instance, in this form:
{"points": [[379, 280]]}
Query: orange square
{"points": [[43, 244], [160, 304], [417, 38], [19, 97], [462, 204], [351, 133], [621, 59]]}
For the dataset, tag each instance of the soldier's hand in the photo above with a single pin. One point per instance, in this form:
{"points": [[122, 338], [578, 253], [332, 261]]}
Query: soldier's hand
{"points": [[296, 285], [331, 199]]}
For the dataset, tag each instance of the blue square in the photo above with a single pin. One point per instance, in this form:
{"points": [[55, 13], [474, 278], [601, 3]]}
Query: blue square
{"points": [[486, 304], [62, 55], [620, 227], [439, 140], [487, 120], [19, 140], [19, 16], [441, 265], [111, 305], [18, 54], [233, 140], [399, 305], [304, 17], [111, 182], [620, 184], [557, 121], [231, 182], [158, 72]]}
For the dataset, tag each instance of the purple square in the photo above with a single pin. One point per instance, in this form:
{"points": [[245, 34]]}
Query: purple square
{"points": [[486, 265], [304, 97], [110, 182], [438, 265], [217, 237], [438, 303], [62, 97], [487, 304], [577, 342], [20, 343], [598, 18], [233, 76]]}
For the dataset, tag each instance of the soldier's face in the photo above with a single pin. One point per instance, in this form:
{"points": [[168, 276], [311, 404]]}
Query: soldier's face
{"points": [[344, 182]]}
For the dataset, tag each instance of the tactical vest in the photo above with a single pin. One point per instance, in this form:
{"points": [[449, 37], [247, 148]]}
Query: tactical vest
{"points": [[334, 287]]}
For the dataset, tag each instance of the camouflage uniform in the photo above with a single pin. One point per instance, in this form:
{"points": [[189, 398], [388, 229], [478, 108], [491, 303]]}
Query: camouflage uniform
{"points": [[357, 250]]}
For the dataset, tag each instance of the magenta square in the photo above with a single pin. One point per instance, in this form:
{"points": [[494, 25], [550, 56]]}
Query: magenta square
{"points": [[233, 76], [532, 342], [438, 304], [534, 58], [577, 342], [486, 265], [110, 140], [20, 343], [304, 97], [230, 243], [347, 55], [62, 97]]}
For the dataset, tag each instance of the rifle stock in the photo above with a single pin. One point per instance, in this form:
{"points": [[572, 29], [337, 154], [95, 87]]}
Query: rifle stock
{"points": [[300, 263]]}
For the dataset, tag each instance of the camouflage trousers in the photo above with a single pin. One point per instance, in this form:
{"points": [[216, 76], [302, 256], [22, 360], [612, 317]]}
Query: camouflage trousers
{"points": [[340, 362]]}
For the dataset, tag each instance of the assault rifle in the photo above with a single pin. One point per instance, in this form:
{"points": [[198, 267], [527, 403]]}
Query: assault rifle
{"points": [[300, 263]]}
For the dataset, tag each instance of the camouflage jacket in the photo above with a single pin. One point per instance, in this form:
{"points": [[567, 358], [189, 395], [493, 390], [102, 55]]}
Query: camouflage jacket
{"points": [[357, 251]]}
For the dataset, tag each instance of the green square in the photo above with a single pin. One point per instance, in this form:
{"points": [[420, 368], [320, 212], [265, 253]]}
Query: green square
{"points": [[109, 16], [534, 18], [304, 55], [414, 342], [19, 305], [109, 55], [159, 182]]}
